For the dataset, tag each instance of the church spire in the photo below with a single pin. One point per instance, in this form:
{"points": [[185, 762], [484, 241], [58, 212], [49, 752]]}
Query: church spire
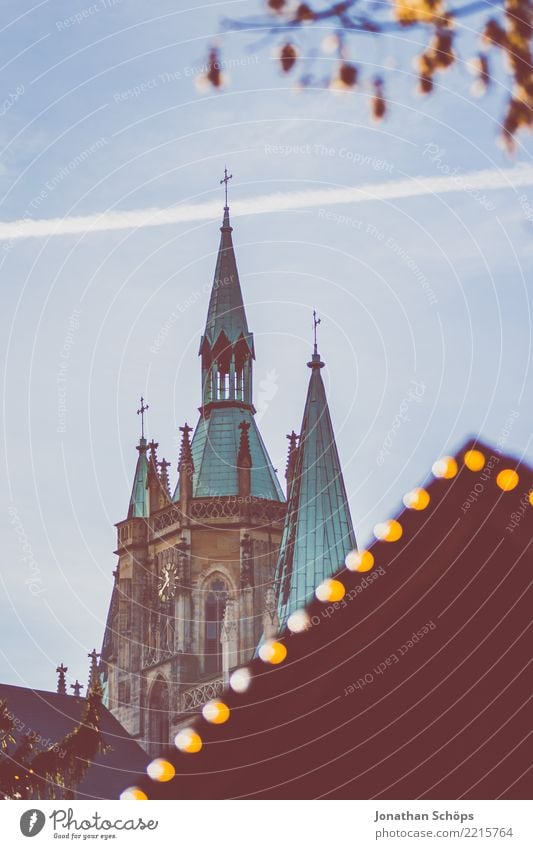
{"points": [[227, 347], [318, 531], [139, 497]]}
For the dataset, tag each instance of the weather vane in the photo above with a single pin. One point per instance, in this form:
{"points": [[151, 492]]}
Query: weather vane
{"points": [[316, 322], [227, 177], [141, 413]]}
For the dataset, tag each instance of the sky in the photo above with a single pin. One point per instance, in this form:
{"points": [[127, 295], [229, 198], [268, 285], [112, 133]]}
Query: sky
{"points": [[413, 239]]}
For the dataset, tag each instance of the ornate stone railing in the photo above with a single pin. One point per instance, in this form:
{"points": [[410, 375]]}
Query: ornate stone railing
{"points": [[195, 698], [259, 510]]}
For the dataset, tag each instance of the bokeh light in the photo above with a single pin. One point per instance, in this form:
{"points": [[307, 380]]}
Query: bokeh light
{"points": [[507, 480], [390, 531], [133, 793], [161, 770], [216, 712], [298, 621], [416, 499], [188, 740], [359, 561], [240, 680], [474, 460], [273, 651], [330, 590], [446, 468]]}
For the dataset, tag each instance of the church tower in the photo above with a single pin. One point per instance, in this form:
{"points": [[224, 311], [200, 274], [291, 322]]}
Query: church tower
{"points": [[194, 568]]}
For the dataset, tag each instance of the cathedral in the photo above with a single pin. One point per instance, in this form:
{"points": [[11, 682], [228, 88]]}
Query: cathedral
{"points": [[206, 572]]}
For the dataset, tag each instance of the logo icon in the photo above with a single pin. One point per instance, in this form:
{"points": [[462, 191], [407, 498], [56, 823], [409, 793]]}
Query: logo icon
{"points": [[32, 822]]}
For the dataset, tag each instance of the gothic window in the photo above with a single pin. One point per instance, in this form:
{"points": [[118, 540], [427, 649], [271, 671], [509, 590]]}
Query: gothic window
{"points": [[215, 602], [159, 718]]}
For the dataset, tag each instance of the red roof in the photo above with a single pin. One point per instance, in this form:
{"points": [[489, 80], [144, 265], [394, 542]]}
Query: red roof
{"points": [[415, 685]]}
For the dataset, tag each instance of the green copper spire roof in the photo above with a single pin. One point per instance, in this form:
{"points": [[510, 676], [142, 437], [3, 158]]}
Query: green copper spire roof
{"points": [[226, 313], [215, 449], [318, 531], [139, 493]]}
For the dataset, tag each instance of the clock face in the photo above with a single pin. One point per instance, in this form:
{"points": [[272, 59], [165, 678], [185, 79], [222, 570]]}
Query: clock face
{"points": [[166, 587]]}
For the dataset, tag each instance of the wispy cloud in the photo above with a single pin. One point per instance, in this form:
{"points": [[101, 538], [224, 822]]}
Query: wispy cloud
{"points": [[487, 180]]}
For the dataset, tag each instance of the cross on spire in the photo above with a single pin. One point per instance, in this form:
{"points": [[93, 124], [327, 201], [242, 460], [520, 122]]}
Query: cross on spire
{"points": [[61, 682], [77, 687], [144, 407], [316, 322], [227, 177]]}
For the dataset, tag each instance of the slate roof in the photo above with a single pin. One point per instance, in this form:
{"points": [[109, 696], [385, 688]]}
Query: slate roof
{"points": [[226, 307], [52, 716], [416, 685]]}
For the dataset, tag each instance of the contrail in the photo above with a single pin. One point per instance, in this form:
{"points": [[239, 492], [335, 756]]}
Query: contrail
{"points": [[473, 182]]}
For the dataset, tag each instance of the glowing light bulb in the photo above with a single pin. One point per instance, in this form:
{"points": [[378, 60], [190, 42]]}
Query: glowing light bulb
{"points": [[330, 590], [507, 480], [215, 712], [474, 460], [273, 652], [446, 468], [133, 793], [298, 621], [390, 531], [161, 770], [188, 740], [359, 561], [416, 499], [240, 680]]}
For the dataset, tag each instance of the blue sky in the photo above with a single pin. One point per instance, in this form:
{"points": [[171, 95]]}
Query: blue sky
{"points": [[425, 299]]}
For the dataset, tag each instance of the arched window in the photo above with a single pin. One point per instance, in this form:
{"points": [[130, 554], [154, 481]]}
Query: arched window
{"points": [[159, 718], [215, 602]]}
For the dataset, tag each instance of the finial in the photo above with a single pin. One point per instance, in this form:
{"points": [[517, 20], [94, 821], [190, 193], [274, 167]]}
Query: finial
{"points": [[316, 322], [227, 177], [316, 362], [141, 413], [93, 672], [77, 687], [61, 683]]}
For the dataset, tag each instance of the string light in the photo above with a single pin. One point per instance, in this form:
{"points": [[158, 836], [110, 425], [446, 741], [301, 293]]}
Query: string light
{"points": [[474, 460], [507, 480], [390, 531], [161, 770], [446, 468], [133, 793], [359, 561], [188, 740], [273, 651], [298, 621], [240, 680], [531, 497], [216, 712], [330, 590], [416, 499]]}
